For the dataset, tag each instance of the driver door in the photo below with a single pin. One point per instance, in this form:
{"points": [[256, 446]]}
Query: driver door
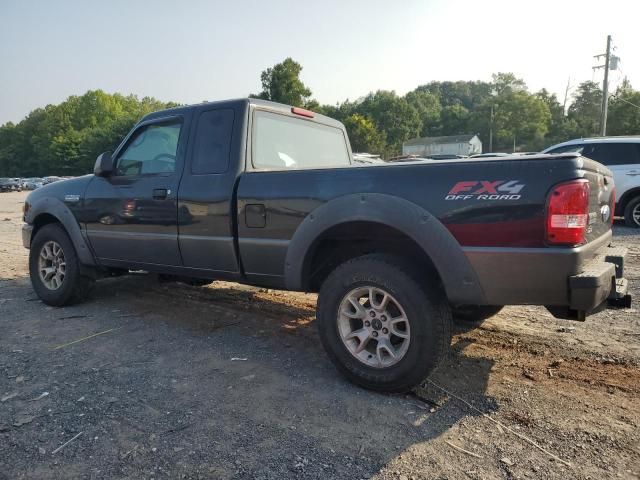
{"points": [[132, 214]]}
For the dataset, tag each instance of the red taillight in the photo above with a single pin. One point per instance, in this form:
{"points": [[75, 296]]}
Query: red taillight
{"points": [[568, 213], [302, 112]]}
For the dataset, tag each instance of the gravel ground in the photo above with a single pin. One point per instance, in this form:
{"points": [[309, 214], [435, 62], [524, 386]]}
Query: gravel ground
{"points": [[226, 381]]}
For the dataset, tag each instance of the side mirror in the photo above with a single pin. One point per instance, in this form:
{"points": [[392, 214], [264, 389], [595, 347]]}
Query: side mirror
{"points": [[104, 165]]}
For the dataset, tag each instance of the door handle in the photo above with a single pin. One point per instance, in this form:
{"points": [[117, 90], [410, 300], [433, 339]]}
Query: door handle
{"points": [[633, 173], [161, 193]]}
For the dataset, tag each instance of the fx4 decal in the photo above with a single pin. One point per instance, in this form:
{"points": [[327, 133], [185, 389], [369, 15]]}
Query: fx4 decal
{"points": [[486, 190]]}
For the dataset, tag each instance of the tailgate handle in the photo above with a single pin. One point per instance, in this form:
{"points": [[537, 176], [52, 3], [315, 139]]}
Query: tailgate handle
{"points": [[160, 193]]}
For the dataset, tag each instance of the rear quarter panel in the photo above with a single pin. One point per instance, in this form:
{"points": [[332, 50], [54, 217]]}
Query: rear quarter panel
{"points": [[466, 196]]}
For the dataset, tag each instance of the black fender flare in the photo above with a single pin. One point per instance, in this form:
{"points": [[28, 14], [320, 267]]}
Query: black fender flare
{"points": [[56, 208], [458, 276]]}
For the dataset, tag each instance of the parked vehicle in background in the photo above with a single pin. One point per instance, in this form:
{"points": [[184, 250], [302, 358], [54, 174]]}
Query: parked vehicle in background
{"points": [[367, 158], [438, 156], [52, 179], [445, 156], [268, 194], [406, 158], [32, 183], [622, 156], [10, 185], [491, 155]]}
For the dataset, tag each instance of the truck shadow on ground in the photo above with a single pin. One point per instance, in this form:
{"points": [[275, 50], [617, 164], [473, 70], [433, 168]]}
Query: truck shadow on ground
{"points": [[274, 312], [167, 380]]}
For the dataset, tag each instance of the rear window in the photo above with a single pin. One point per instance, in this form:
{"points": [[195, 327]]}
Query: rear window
{"points": [[281, 143], [613, 153]]}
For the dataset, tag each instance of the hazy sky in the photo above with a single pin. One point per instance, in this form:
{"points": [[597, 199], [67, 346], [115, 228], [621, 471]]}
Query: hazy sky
{"points": [[189, 51]]}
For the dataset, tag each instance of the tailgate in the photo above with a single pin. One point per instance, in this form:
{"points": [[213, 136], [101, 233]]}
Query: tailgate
{"points": [[601, 198]]}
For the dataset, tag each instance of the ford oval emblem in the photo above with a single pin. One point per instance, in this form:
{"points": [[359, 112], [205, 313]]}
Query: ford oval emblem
{"points": [[605, 211]]}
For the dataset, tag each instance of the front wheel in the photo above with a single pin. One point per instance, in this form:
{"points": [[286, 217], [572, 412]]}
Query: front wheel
{"points": [[54, 268], [381, 327], [632, 213]]}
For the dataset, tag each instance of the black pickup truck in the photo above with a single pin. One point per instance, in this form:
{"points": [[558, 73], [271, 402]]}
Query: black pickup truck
{"points": [[267, 194]]}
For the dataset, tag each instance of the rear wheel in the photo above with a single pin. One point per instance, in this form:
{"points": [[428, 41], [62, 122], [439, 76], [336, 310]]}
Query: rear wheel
{"points": [[632, 213], [381, 327], [54, 268]]}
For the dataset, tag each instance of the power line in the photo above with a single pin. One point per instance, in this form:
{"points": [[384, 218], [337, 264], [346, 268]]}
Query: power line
{"points": [[617, 98]]}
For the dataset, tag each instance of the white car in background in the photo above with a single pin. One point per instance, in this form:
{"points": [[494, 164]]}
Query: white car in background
{"points": [[622, 156]]}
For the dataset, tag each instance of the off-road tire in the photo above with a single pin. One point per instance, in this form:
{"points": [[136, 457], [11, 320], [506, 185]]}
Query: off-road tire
{"points": [[475, 313], [75, 287], [425, 305], [632, 207]]}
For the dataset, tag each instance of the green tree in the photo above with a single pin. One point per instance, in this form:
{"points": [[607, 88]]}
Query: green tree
{"points": [[281, 83], [428, 107], [521, 116], [65, 139], [468, 94], [393, 115], [586, 107], [561, 127], [624, 111], [454, 120], [363, 135], [503, 83]]}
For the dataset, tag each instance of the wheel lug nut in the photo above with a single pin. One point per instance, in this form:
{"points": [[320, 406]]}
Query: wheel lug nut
{"points": [[383, 318], [372, 313], [375, 334], [385, 331], [367, 323]]}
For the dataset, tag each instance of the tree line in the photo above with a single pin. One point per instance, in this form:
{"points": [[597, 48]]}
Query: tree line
{"points": [[65, 139]]}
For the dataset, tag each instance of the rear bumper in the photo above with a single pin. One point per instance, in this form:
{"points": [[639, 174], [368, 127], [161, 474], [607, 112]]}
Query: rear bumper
{"points": [[601, 284], [571, 282]]}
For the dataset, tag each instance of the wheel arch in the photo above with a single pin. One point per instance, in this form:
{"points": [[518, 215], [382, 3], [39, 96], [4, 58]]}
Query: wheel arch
{"points": [[410, 220], [625, 199], [49, 210]]}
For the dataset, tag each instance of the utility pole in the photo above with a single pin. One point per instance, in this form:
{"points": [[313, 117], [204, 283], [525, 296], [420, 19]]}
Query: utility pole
{"points": [[566, 96], [491, 131], [605, 87]]}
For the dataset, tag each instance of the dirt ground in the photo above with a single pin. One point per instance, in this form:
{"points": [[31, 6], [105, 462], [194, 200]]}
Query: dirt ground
{"points": [[227, 381]]}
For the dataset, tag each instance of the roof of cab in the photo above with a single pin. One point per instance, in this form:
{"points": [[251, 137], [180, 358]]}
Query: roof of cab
{"points": [[257, 102]]}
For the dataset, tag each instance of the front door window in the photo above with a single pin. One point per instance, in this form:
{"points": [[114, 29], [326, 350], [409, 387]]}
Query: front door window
{"points": [[151, 150]]}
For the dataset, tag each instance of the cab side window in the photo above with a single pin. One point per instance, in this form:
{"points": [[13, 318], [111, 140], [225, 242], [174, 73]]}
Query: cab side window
{"points": [[151, 150], [213, 142]]}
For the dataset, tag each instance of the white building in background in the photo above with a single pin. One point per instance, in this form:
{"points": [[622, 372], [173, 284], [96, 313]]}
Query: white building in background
{"points": [[451, 145]]}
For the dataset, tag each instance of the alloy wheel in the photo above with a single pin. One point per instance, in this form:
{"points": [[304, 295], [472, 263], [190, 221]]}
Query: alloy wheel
{"points": [[373, 326], [52, 265], [635, 214]]}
